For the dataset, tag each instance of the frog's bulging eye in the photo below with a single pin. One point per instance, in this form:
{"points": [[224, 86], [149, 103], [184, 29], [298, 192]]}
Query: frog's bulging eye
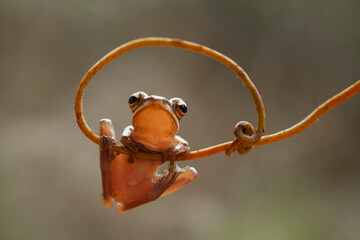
{"points": [[135, 99], [180, 108], [183, 108]]}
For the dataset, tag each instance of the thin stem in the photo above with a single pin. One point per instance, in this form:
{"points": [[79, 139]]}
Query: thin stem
{"points": [[255, 139], [296, 129], [167, 42], [312, 117]]}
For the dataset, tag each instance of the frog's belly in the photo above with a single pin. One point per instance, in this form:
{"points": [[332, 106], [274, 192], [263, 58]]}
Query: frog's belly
{"points": [[130, 182]]}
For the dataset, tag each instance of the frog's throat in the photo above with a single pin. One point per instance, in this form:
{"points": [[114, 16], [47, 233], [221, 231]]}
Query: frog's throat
{"points": [[155, 112], [155, 126]]}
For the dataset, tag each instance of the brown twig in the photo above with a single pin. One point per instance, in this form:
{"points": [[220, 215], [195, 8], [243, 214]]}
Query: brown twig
{"points": [[296, 129], [244, 141], [176, 43]]}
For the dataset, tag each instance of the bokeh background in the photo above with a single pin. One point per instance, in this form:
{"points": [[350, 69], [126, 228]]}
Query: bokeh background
{"points": [[298, 54]]}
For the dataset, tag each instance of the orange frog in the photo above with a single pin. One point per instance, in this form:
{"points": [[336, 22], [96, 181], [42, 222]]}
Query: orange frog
{"points": [[130, 181]]}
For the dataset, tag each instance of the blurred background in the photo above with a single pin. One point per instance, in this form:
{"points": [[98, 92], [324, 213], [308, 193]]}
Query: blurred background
{"points": [[298, 55]]}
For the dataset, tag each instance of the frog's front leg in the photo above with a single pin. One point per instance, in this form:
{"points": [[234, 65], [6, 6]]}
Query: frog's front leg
{"points": [[128, 142], [180, 146], [107, 155]]}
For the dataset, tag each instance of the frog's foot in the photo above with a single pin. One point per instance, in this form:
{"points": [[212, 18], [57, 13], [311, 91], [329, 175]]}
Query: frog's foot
{"points": [[163, 182], [183, 177], [186, 175]]}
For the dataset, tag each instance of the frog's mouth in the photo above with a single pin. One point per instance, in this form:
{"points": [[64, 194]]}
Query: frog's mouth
{"points": [[155, 125]]}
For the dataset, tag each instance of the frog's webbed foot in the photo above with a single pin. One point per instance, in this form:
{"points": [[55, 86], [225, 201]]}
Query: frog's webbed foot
{"points": [[175, 177], [186, 175], [170, 181], [163, 182]]}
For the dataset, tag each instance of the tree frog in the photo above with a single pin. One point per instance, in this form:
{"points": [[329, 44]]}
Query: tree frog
{"points": [[130, 181]]}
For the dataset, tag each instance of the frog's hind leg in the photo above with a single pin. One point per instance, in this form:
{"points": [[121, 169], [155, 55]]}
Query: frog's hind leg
{"points": [[173, 180], [158, 186], [167, 182], [107, 136], [187, 174]]}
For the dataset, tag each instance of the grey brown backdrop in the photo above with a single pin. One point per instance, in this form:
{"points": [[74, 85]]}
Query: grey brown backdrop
{"points": [[297, 54]]}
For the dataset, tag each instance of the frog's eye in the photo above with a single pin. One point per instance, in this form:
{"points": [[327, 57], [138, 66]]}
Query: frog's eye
{"points": [[135, 100], [180, 108]]}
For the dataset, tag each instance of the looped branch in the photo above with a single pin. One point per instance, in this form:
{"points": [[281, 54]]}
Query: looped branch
{"points": [[176, 43], [243, 130]]}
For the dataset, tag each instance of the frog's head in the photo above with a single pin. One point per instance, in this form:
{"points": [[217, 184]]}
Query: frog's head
{"points": [[155, 119]]}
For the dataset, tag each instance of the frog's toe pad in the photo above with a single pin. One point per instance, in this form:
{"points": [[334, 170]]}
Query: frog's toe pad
{"points": [[108, 202], [121, 208], [189, 173]]}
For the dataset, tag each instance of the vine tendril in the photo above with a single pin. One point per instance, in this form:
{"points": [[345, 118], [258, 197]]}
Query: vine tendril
{"points": [[246, 135]]}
